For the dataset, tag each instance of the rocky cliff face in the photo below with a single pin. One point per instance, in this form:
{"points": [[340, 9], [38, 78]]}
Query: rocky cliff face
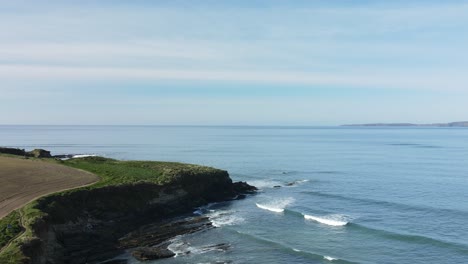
{"points": [[84, 226]]}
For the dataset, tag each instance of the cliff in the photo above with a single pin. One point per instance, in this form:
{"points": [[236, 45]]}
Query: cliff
{"points": [[85, 225]]}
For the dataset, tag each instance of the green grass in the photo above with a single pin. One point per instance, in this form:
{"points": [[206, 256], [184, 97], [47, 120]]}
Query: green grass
{"points": [[10, 227], [115, 172], [12, 254]]}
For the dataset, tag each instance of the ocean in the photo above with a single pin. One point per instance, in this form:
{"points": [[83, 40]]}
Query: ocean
{"points": [[346, 195]]}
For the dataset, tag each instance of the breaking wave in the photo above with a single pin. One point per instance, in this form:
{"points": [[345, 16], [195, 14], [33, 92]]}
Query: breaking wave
{"points": [[276, 205], [270, 208], [331, 220], [83, 156]]}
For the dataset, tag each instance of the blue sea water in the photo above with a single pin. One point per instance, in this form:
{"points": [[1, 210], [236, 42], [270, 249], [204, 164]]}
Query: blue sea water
{"points": [[358, 195]]}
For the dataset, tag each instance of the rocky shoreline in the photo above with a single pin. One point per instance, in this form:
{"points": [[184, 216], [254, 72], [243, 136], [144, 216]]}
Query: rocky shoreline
{"points": [[93, 233], [151, 241]]}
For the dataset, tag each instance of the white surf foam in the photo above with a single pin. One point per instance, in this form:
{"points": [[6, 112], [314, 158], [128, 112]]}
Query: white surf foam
{"points": [[275, 205], [272, 209], [84, 155], [224, 218], [264, 184], [198, 212], [180, 247], [332, 220], [329, 258]]}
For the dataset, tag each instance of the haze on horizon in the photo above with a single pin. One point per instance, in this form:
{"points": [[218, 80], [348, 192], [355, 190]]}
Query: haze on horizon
{"points": [[233, 62]]}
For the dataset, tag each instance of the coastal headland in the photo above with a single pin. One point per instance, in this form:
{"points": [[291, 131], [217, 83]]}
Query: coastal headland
{"points": [[451, 124], [116, 206]]}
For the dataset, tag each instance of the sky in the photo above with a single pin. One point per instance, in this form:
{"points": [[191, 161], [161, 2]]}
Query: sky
{"points": [[233, 62]]}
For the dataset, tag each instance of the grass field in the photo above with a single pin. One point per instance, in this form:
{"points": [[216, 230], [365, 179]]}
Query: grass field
{"points": [[116, 172]]}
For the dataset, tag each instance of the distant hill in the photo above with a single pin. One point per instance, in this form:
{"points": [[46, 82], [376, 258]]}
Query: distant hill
{"points": [[452, 124]]}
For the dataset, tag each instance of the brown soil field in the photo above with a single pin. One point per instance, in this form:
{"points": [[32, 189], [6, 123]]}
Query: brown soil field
{"points": [[23, 180]]}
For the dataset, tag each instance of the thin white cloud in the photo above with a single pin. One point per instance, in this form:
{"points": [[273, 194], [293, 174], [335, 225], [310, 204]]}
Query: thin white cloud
{"points": [[94, 51], [425, 81]]}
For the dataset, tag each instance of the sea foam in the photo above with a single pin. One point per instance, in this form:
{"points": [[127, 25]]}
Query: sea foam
{"points": [[275, 205], [84, 155], [332, 220], [264, 184], [180, 247], [224, 218], [329, 258], [270, 208]]}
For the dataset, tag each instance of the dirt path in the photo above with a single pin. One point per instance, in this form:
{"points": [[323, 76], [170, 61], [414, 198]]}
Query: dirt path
{"points": [[22, 181]]}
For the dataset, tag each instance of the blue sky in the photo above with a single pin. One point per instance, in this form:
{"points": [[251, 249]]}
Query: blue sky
{"points": [[233, 62]]}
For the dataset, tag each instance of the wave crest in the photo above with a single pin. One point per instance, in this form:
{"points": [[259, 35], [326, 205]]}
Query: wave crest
{"points": [[275, 205], [331, 220]]}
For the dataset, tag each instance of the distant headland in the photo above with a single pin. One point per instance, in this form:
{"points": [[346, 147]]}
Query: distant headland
{"points": [[452, 124]]}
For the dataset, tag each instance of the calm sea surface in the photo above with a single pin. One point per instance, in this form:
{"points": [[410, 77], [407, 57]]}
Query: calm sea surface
{"points": [[357, 195]]}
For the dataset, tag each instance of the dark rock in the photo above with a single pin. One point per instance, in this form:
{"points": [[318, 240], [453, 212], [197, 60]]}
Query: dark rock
{"points": [[293, 183], [243, 187], [13, 151], [277, 186], [218, 247], [150, 253], [155, 234], [63, 156], [116, 261], [39, 153], [151, 241], [240, 197]]}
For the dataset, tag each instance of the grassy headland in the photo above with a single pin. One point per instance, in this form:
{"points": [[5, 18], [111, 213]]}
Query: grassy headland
{"points": [[17, 228]]}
